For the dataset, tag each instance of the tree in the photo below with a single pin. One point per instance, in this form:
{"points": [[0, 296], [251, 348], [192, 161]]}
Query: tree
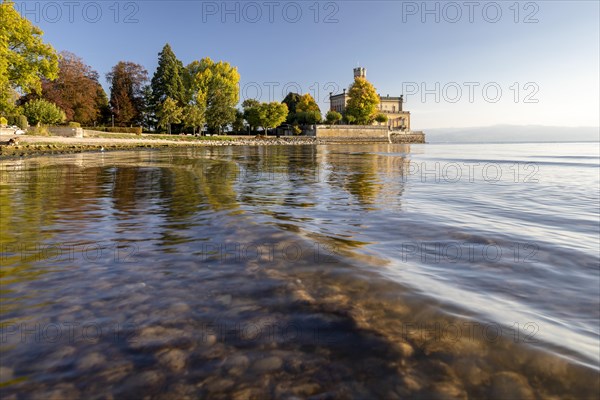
{"points": [[41, 111], [127, 82], [168, 78], [238, 125], [252, 113], [381, 118], [272, 114], [149, 110], [219, 82], [363, 102], [308, 117], [307, 104], [169, 113], [333, 117], [76, 90], [24, 58], [194, 114], [307, 110], [350, 119], [291, 100]]}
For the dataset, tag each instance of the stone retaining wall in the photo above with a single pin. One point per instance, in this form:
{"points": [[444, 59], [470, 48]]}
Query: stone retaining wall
{"points": [[66, 131], [411, 137], [352, 133], [365, 134]]}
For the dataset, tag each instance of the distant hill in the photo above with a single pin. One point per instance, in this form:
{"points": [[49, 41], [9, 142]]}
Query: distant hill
{"points": [[513, 133]]}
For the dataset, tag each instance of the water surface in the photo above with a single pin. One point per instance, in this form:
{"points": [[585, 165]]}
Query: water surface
{"points": [[340, 271]]}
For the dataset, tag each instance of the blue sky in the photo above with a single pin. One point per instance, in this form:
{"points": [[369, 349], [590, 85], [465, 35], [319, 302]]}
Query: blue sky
{"points": [[459, 64]]}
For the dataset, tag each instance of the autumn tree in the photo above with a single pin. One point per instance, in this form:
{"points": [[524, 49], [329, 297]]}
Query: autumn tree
{"points": [[169, 113], [219, 84], [76, 90], [194, 113], [307, 104], [24, 58], [40, 111], [307, 110], [127, 99], [362, 105]]}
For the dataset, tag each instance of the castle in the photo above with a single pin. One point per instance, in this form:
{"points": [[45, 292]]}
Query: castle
{"points": [[398, 119]]}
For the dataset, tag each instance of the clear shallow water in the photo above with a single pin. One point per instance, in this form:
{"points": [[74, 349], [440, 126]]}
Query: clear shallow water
{"points": [[340, 271]]}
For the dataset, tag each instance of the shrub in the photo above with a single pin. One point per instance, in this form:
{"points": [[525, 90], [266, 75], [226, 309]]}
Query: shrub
{"points": [[18, 120], [333, 116], [39, 131], [43, 112], [22, 122], [381, 118], [74, 125], [3, 121]]}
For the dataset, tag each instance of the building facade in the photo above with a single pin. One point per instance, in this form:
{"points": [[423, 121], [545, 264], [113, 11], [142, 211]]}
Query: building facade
{"points": [[398, 119]]}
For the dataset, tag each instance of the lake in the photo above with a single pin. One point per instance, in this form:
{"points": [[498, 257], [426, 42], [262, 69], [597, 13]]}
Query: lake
{"points": [[324, 272]]}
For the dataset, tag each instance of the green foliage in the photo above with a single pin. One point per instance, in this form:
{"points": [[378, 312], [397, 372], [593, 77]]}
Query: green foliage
{"points": [[3, 121], [307, 104], [18, 120], [169, 113], [194, 115], [24, 58], [74, 125], [308, 117], [272, 114], [38, 131], [333, 117], [168, 78], [252, 113], [218, 84], [302, 109], [43, 112], [266, 115], [381, 118], [297, 130], [362, 105], [238, 125], [291, 100]]}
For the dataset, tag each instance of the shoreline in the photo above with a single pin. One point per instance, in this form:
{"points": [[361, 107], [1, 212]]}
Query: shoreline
{"points": [[49, 145]]}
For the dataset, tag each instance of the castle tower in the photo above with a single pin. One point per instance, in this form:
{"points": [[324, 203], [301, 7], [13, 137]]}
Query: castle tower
{"points": [[360, 72]]}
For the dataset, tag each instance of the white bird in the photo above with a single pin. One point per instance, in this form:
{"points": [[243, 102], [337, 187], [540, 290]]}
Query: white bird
{"points": [[102, 148]]}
